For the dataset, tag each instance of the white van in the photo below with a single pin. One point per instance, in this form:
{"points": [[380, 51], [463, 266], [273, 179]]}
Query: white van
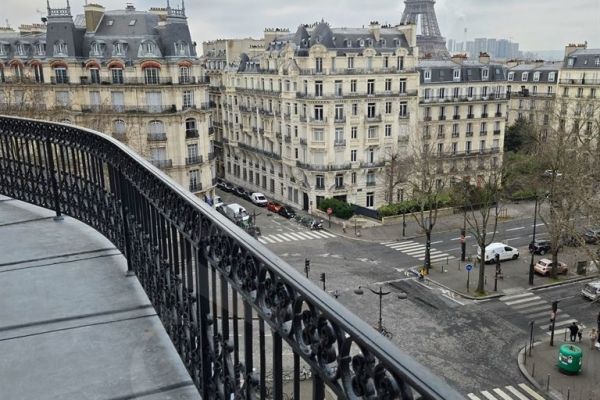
{"points": [[505, 251], [591, 290], [236, 213], [259, 199]]}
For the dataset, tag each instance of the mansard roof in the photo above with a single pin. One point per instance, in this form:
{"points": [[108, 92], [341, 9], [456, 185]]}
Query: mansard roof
{"points": [[442, 71], [583, 59]]}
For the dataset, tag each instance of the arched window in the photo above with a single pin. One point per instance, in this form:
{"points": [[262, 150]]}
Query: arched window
{"points": [[148, 48], [182, 49], [96, 49], [156, 127], [60, 48], [119, 126], [21, 49], [119, 49]]}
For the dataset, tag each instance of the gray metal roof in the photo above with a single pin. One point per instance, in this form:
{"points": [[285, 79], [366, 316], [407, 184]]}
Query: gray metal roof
{"points": [[544, 70], [442, 71], [583, 59]]}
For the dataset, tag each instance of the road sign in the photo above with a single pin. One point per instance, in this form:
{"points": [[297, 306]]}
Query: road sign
{"points": [[329, 211], [468, 267]]}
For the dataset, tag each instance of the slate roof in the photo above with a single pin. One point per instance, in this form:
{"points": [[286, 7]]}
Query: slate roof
{"points": [[442, 71], [583, 59], [531, 69], [341, 39]]}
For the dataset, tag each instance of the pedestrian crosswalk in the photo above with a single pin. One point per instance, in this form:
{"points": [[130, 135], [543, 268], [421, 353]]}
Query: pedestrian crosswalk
{"points": [[417, 250], [521, 391], [294, 236], [538, 310]]}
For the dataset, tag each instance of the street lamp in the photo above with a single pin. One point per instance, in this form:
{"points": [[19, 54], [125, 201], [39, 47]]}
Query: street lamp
{"points": [[379, 293], [532, 245]]}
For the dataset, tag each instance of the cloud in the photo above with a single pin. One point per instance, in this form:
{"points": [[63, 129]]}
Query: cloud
{"points": [[535, 24]]}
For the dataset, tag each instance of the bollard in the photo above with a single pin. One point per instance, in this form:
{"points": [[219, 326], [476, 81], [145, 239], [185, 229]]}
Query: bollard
{"points": [[565, 335], [548, 383], [525, 356], [568, 393], [533, 370]]}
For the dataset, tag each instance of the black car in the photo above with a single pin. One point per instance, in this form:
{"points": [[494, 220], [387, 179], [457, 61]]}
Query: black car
{"points": [[287, 212], [540, 246], [568, 239], [240, 191], [225, 186]]}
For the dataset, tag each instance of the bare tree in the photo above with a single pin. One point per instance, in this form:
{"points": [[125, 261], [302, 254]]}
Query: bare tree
{"points": [[481, 210]]}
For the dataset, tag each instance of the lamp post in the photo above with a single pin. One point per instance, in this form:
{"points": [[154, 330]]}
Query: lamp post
{"points": [[532, 244], [379, 293], [403, 212]]}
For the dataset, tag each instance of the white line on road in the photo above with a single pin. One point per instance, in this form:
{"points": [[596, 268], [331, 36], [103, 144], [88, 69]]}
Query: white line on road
{"points": [[473, 397], [515, 238], [537, 225], [439, 241], [273, 237], [530, 391], [466, 237], [515, 229], [522, 307], [488, 395], [516, 296], [516, 393], [510, 303], [500, 393]]}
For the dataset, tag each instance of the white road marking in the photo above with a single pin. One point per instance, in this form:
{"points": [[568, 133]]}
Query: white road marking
{"points": [[510, 303], [516, 296], [516, 393], [521, 307], [311, 235], [515, 229], [262, 240], [473, 397], [295, 236], [515, 238], [466, 237], [288, 236], [303, 235], [273, 237], [329, 234], [403, 246], [488, 395], [500, 393], [439, 241], [530, 391], [537, 225]]}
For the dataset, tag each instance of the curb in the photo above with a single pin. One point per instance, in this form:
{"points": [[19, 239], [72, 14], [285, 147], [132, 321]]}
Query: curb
{"points": [[573, 280], [553, 394]]}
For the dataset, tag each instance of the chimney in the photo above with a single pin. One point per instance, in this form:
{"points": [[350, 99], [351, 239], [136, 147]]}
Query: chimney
{"points": [[484, 58], [93, 16], [571, 47], [375, 29], [458, 58]]}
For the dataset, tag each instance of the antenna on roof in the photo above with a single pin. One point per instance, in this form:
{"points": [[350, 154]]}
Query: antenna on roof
{"points": [[183, 6]]}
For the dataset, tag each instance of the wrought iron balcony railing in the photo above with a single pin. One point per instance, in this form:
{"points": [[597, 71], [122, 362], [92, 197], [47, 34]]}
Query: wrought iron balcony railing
{"points": [[215, 288]]}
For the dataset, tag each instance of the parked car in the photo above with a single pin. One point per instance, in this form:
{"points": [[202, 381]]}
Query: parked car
{"points": [[591, 235], [540, 246], [568, 239], [287, 212], [273, 206], [591, 290], [549, 172], [225, 186], [544, 266], [259, 199], [240, 191], [505, 252], [217, 201]]}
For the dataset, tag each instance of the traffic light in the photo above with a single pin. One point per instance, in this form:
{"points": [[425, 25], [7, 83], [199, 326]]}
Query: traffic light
{"points": [[306, 262], [322, 276], [555, 306]]}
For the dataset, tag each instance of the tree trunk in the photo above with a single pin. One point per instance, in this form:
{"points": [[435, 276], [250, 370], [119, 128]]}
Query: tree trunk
{"points": [[554, 263], [481, 281], [428, 250]]}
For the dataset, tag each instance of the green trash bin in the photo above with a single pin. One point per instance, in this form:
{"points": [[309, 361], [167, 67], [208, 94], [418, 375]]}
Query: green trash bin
{"points": [[570, 359]]}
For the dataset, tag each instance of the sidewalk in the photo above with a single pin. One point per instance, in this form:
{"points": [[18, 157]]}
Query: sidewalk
{"points": [[540, 368], [376, 232]]}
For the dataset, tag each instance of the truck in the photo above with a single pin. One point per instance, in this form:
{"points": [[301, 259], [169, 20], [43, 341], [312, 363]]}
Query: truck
{"points": [[237, 213]]}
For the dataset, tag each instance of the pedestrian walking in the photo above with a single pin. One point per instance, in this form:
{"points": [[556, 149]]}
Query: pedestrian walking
{"points": [[573, 329], [344, 227], [593, 338], [580, 332]]}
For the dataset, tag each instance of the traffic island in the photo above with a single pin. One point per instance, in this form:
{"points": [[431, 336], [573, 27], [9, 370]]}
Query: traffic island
{"points": [[564, 371]]}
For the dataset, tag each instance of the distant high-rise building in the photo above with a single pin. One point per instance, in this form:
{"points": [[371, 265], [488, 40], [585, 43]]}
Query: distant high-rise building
{"points": [[496, 48]]}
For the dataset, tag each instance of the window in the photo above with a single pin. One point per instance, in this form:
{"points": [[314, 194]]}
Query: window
{"points": [[151, 76], [427, 75], [318, 135], [38, 72], [353, 155], [371, 86], [339, 135], [194, 186], [354, 132], [440, 148], [388, 107], [370, 179], [339, 181], [17, 71], [40, 49], [524, 76], [184, 75], [353, 178], [188, 99], [96, 49], [21, 49], [402, 86], [441, 93], [148, 48], [511, 76], [400, 63], [468, 147], [117, 75], [119, 126], [338, 88], [181, 49], [94, 75], [388, 130], [350, 62], [63, 99], [318, 64], [354, 108], [370, 199], [156, 128], [60, 75], [318, 113], [403, 109], [190, 125], [482, 146], [470, 91], [551, 76], [485, 74], [483, 128], [339, 112], [388, 85], [192, 152], [456, 74], [119, 49], [320, 182], [118, 101], [372, 132], [353, 86], [319, 88], [455, 131], [60, 48], [370, 110], [536, 76]]}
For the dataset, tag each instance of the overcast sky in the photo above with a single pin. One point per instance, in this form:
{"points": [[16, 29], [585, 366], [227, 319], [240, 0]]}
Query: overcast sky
{"points": [[535, 24]]}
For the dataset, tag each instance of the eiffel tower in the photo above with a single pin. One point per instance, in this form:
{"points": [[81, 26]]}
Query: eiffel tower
{"points": [[429, 40]]}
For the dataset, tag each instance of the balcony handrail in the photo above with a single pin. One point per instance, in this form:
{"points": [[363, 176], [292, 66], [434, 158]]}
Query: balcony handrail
{"points": [[186, 256]]}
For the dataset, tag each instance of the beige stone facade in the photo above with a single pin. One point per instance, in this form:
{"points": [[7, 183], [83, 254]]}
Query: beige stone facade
{"points": [[133, 89]]}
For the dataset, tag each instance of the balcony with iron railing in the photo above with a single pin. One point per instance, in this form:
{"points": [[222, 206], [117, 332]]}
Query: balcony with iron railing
{"points": [[192, 276], [162, 164], [191, 133], [193, 160], [157, 137]]}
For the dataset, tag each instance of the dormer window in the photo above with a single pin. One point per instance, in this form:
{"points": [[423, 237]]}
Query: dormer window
{"points": [[96, 49], [148, 48], [132, 22], [597, 61], [570, 62], [361, 43], [525, 76], [60, 49], [397, 42], [110, 22], [181, 49], [427, 75], [536, 76], [485, 74], [119, 49], [3, 49], [382, 42], [551, 76], [40, 49], [21, 49], [456, 74], [511, 76]]}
